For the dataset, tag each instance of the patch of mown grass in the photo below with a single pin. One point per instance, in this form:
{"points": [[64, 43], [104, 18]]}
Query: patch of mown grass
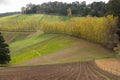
{"points": [[34, 39], [41, 48]]}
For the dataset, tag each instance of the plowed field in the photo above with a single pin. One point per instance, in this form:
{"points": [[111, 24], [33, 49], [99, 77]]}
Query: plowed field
{"points": [[68, 71]]}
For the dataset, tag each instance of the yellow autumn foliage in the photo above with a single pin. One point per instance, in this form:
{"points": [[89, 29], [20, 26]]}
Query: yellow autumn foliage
{"points": [[101, 30]]}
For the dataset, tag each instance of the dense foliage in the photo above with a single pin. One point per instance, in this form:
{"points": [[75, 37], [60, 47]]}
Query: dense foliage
{"points": [[60, 8], [100, 30], [113, 7], [4, 51]]}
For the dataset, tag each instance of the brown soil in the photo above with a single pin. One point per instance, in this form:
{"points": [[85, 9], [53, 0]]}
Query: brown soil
{"points": [[69, 71]]}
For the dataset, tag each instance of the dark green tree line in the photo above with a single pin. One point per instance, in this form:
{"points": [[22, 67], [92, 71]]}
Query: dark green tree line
{"points": [[60, 8], [113, 7]]}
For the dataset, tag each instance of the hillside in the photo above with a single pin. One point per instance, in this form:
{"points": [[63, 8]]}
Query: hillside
{"points": [[37, 48], [50, 56], [78, 50]]}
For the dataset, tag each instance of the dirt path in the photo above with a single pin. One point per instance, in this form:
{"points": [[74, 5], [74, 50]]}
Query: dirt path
{"points": [[80, 51], [69, 71]]}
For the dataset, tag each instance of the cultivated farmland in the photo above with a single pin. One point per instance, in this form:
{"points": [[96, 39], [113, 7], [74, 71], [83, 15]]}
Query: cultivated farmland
{"points": [[69, 71]]}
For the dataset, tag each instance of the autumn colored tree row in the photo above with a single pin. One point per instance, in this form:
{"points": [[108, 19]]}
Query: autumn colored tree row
{"points": [[99, 30]]}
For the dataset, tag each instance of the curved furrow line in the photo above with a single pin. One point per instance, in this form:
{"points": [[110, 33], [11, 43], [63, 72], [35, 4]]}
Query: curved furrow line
{"points": [[63, 76], [62, 71], [73, 74], [86, 70], [83, 72], [78, 69], [90, 73], [97, 71], [107, 74], [79, 72], [94, 73], [81, 75], [66, 72]]}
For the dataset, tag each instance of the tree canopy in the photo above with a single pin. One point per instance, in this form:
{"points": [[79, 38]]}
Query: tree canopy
{"points": [[60, 8], [113, 7]]}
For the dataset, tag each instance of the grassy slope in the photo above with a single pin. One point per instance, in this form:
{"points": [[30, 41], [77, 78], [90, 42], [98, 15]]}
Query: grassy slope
{"points": [[21, 44], [37, 46], [80, 50], [26, 46], [52, 48]]}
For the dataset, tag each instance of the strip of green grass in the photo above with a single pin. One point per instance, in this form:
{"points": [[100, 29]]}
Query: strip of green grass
{"points": [[41, 48]]}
